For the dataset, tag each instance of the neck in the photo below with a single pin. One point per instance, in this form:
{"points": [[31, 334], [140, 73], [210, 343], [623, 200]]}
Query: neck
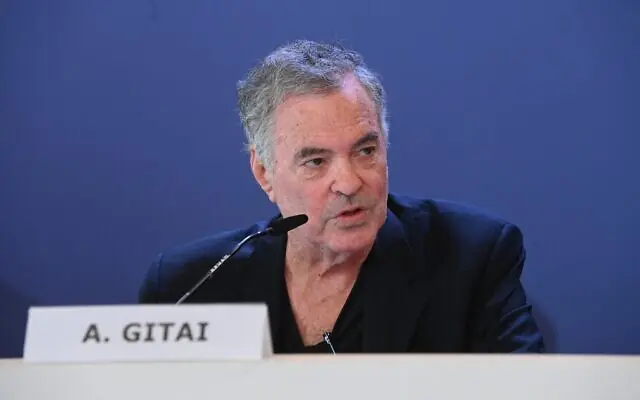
{"points": [[308, 260]]}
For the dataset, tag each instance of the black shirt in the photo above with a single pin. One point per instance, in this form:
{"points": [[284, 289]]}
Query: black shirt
{"points": [[346, 336]]}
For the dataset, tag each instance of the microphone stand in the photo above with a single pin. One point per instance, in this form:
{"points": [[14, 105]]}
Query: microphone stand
{"points": [[222, 261]]}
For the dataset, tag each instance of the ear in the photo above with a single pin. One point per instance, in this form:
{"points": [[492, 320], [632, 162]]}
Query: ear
{"points": [[260, 173]]}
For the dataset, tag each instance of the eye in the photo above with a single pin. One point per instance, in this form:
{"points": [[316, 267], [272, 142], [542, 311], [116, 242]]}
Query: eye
{"points": [[314, 163], [367, 151]]}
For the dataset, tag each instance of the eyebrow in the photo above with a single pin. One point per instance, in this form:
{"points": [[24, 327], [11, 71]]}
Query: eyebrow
{"points": [[307, 152], [370, 137]]}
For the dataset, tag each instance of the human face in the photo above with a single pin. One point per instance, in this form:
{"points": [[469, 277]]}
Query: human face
{"points": [[331, 164]]}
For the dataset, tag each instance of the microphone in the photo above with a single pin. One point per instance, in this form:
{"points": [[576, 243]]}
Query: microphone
{"points": [[275, 228], [326, 336]]}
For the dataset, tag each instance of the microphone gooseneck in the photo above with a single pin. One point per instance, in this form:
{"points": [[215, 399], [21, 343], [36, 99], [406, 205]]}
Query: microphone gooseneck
{"points": [[276, 228]]}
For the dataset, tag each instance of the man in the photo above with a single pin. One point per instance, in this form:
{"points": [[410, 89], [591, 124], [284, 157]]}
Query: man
{"points": [[370, 271]]}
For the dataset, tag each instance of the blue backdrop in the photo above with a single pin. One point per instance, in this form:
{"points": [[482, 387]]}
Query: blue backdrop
{"points": [[119, 138]]}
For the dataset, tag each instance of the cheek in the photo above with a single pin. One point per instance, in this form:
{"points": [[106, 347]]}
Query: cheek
{"points": [[296, 196], [376, 179], [314, 199]]}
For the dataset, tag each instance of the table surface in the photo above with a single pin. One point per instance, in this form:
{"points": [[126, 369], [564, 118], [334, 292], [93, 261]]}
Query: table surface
{"points": [[327, 376]]}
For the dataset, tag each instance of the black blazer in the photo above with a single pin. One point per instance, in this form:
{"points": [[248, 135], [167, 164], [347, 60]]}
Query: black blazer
{"points": [[446, 279]]}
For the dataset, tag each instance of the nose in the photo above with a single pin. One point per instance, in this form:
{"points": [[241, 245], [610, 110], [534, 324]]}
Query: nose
{"points": [[347, 181]]}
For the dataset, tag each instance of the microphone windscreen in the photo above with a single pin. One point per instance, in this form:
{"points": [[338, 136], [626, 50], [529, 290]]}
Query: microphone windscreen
{"points": [[284, 225]]}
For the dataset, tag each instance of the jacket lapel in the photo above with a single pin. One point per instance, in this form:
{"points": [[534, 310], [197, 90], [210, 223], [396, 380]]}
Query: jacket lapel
{"points": [[396, 291]]}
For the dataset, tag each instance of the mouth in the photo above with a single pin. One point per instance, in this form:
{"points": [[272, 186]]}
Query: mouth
{"points": [[351, 212]]}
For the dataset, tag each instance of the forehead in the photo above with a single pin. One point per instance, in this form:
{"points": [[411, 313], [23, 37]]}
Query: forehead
{"points": [[331, 119]]}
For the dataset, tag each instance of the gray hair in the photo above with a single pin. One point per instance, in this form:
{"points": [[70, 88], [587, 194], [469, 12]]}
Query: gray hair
{"points": [[297, 68]]}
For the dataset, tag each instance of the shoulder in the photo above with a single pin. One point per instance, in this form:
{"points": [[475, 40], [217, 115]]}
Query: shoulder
{"points": [[177, 268], [456, 229]]}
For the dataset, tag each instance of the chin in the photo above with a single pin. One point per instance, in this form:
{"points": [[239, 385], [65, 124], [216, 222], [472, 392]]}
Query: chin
{"points": [[352, 241], [353, 234]]}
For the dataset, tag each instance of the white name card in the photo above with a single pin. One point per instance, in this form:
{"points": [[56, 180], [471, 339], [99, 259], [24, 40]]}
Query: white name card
{"points": [[185, 332]]}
